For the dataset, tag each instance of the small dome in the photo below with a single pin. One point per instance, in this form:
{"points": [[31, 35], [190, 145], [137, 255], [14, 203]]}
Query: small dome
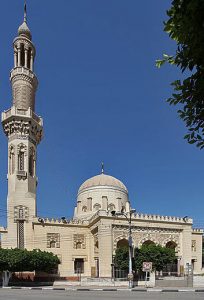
{"points": [[102, 180], [24, 30]]}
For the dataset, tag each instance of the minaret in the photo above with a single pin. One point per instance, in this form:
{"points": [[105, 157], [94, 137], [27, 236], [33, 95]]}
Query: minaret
{"points": [[24, 131]]}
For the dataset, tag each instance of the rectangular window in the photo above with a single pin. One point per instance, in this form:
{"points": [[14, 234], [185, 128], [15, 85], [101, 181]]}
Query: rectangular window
{"points": [[20, 229], [79, 265]]}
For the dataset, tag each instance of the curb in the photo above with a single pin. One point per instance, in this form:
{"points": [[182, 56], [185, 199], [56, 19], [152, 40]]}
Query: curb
{"points": [[149, 290]]}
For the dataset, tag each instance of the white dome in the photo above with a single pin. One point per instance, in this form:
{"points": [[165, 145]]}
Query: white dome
{"points": [[24, 30], [102, 180]]}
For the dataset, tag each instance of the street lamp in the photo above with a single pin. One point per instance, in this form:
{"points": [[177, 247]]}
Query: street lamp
{"points": [[129, 219]]}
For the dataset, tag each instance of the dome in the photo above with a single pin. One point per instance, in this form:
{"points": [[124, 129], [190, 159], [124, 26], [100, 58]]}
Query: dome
{"points": [[103, 180], [24, 30]]}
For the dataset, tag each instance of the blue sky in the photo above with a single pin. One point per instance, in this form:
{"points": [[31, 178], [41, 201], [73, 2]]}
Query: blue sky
{"points": [[103, 99]]}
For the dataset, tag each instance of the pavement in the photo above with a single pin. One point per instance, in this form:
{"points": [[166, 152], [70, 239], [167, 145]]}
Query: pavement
{"points": [[110, 289]]}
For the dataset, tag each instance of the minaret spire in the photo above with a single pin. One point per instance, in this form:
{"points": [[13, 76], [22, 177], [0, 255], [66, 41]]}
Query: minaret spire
{"points": [[102, 168], [25, 12]]}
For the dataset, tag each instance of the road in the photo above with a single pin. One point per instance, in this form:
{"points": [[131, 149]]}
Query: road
{"points": [[92, 295]]}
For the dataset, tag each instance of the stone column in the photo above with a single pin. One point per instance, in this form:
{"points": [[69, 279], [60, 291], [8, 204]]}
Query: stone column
{"points": [[127, 206], [31, 61], [89, 204], [178, 266], [105, 248], [15, 59], [19, 56], [26, 58], [104, 202]]}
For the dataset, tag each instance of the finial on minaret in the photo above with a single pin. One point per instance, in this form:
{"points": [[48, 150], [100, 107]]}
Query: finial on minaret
{"points": [[102, 168], [25, 12]]}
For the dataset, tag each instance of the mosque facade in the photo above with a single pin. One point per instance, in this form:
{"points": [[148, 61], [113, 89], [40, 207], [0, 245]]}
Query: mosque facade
{"points": [[88, 241]]}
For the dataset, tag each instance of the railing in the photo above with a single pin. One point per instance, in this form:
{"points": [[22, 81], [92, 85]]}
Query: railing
{"points": [[21, 112]]}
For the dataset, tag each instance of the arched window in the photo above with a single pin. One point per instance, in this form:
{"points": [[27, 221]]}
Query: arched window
{"points": [[84, 208], [148, 242], [78, 245], [21, 157], [21, 213], [96, 206], [171, 245], [122, 243], [22, 63], [32, 162], [11, 160], [29, 58], [52, 244], [123, 209]]}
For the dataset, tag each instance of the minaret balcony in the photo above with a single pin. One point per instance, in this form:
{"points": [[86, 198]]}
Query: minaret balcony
{"points": [[22, 70], [21, 122], [13, 111]]}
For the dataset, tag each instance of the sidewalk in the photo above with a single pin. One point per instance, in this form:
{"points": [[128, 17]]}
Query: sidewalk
{"points": [[111, 289]]}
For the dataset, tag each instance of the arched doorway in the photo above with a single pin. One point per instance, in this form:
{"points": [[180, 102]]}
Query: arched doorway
{"points": [[172, 269], [120, 266]]}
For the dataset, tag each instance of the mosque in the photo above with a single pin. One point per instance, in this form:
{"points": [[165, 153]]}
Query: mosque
{"points": [[88, 241]]}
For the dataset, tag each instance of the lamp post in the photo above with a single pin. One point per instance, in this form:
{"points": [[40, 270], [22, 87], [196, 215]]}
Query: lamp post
{"points": [[128, 216]]}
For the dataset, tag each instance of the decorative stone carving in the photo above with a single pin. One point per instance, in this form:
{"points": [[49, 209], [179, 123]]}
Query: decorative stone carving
{"points": [[24, 128], [193, 245], [159, 236], [96, 206], [21, 213], [111, 206], [22, 147], [79, 241], [53, 240]]}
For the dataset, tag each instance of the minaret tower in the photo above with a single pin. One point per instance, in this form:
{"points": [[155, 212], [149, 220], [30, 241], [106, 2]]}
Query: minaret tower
{"points": [[24, 131]]}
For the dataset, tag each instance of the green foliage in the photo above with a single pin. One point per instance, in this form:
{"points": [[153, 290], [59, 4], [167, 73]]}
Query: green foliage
{"points": [[185, 26], [18, 260], [122, 258], [158, 255]]}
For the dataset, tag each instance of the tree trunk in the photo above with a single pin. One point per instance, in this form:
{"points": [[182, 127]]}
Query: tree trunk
{"points": [[6, 275]]}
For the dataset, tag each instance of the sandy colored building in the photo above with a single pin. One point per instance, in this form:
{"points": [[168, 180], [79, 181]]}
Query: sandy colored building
{"points": [[88, 241]]}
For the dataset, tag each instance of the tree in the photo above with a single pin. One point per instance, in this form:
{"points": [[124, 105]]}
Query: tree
{"points": [[122, 258], [158, 255], [18, 260], [185, 26]]}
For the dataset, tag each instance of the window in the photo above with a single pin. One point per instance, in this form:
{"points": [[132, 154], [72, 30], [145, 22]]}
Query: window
{"points": [[32, 162], [11, 160], [21, 213], [53, 240], [20, 234], [84, 208], [78, 245], [22, 55], [29, 58], [52, 244], [79, 265], [123, 209], [21, 158]]}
